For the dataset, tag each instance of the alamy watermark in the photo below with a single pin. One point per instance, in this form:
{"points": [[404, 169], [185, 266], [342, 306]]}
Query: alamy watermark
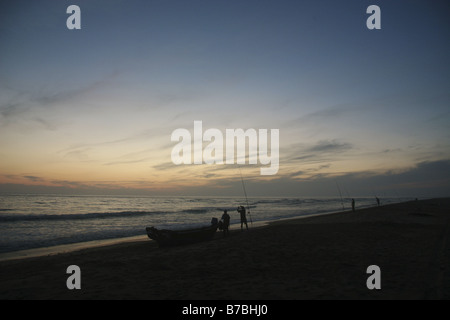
{"points": [[228, 148], [74, 20], [74, 280]]}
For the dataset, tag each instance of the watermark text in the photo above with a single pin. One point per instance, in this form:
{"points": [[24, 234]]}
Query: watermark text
{"points": [[228, 148]]}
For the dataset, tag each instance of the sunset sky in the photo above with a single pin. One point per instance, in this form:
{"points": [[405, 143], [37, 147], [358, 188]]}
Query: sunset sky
{"points": [[93, 110]]}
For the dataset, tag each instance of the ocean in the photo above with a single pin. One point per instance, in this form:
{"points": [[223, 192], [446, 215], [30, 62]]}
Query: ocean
{"points": [[38, 221]]}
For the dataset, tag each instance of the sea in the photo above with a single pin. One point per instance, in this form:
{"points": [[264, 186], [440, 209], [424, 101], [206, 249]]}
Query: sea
{"points": [[38, 221]]}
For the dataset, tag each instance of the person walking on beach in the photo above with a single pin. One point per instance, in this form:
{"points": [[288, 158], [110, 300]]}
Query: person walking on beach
{"points": [[226, 223], [353, 205], [378, 201], [242, 212]]}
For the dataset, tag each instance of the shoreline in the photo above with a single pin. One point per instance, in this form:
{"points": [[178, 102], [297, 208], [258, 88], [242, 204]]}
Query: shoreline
{"points": [[66, 248], [73, 247], [321, 257], [10, 252]]}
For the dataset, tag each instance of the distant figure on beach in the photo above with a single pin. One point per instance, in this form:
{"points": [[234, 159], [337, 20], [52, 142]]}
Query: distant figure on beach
{"points": [[353, 205], [243, 214], [226, 223], [378, 201]]}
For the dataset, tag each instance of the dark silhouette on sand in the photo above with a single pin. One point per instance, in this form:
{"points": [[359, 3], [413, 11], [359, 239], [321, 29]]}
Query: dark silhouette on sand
{"points": [[225, 223], [243, 214]]}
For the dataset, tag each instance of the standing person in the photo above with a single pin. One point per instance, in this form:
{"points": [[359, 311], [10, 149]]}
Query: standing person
{"points": [[353, 205], [378, 201], [226, 223], [242, 212]]}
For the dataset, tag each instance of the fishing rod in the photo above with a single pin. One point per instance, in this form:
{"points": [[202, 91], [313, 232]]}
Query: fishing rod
{"points": [[375, 195], [246, 198], [346, 191], [340, 193], [373, 192]]}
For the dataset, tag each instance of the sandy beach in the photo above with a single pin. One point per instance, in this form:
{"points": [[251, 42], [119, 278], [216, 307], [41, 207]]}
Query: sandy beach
{"points": [[324, 257]]}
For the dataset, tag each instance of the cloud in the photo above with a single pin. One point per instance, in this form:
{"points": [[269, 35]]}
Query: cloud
{"points": [[326, 146], [392, 150], [164, 166], [10, 109], [38, 107], [77, 155], [127, 162], [297, 174], [48, 125], [59, 97], [321, 151], [425, 179], [33, 178], [325, 115]]}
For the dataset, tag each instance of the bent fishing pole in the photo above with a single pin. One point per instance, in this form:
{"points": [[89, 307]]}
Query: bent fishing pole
{"points": [[246, 198], [340, 193]]}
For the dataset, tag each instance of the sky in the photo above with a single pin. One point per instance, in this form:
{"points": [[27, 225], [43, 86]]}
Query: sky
{"points": [[93, 110]]}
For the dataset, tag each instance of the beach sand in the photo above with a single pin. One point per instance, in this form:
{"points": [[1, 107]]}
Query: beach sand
{"points": [[324, 257]]}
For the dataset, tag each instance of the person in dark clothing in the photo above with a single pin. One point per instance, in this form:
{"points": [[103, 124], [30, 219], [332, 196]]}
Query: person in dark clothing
{"points": [[353, 205], [378, 201], [243, 214], [226, 223]]}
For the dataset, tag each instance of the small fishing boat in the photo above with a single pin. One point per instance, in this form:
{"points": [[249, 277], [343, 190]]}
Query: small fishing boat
{"points": [[168, 238]]}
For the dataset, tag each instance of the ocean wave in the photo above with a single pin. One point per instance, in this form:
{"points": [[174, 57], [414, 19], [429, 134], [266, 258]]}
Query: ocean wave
{"points": [[281, 201], [195, 211], [86, 216], [201, 210], [99, 215]]}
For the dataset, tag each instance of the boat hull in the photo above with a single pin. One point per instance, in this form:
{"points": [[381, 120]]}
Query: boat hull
{"points": [[169, 238]]}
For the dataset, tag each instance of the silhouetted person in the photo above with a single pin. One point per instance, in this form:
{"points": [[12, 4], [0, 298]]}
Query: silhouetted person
{"points": [[353, 205], [378, 201], [226, 223], [242, 212]]}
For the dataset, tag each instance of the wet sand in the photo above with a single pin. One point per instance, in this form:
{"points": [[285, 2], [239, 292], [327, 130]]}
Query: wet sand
{"points": [[323, 257]]}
